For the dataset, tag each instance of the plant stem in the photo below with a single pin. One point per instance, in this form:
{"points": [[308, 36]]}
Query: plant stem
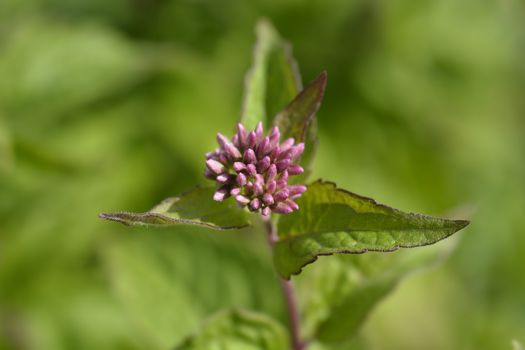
{"points": [[290, 300]]}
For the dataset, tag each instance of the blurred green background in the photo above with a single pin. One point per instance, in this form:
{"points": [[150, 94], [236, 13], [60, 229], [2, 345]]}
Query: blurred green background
{"points": [[111, 105]]}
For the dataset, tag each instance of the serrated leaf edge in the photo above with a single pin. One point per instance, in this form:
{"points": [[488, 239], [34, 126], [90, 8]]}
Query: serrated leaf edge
{"points": [[288, 240], [320, 81], [116, 216]]}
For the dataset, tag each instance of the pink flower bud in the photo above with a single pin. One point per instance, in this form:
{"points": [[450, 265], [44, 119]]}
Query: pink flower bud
{"points": [[268, 199], [241, 179], [251, 169], [295, 170], [249, 156], [242, 199], [239, 166], [241, 132], [283, 164], [215, 166], [282, 208], [263, 164], [255, 169], [220, 195], [235, 191], [255, 204], [224, 178], [281, 195], [259, 132], [296, 190]]}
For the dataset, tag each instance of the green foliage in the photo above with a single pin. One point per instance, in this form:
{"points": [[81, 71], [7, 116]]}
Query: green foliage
{"points": [[334, 221], [357, 283], [298, 120], [75, 66], [6, 151], [272, 81], [111, 105], [139, 282], [239, 329], [295, 119], [330, 221], [274, 93], [195, 207], [153, 277]]}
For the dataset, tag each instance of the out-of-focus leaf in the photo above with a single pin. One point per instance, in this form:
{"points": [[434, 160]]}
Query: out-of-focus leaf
{"points": [[168, 283], [283, 79], [160, 310], [272, 81], [6, 150], [294, 120], [348, 287], [195, 207], [332, 220], [516, 345], [297, 120], [351, 286], [239, 329], [49, 69]]}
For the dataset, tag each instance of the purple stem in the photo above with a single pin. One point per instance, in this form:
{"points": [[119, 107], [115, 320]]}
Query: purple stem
{"points": [[287, 288]]}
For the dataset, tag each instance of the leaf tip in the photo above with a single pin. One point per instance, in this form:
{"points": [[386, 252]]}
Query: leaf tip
{"points": [[461, 224], [265, 26], [320, 82], [113, 217], [323, 75]]}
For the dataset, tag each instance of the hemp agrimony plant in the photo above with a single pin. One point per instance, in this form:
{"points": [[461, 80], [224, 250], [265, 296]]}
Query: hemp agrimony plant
{"points": [[262, 178]]}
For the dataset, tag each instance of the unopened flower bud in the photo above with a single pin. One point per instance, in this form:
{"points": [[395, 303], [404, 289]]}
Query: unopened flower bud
{"points": [[255, 169]]}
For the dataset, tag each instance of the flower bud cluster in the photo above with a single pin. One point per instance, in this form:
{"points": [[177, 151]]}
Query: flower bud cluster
{"points": [[255, 169]]}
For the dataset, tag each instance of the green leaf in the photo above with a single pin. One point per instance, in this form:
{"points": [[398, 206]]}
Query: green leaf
{"points": [[274, 94], [6, 150], [192, 208], [272, 81], [283, 80], [160, 307], [167, 283], [238, 329], [297, 120], [354, 285], [96, 63], [332, 220]]}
